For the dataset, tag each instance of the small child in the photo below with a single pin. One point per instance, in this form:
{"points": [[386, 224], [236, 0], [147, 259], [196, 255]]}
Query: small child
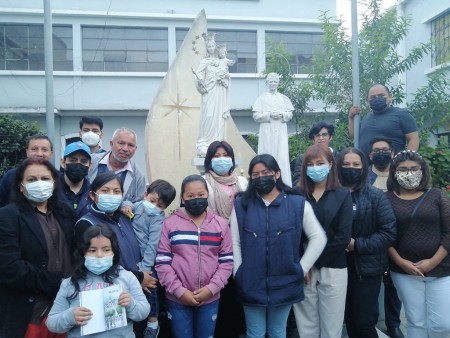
{"points": [[194, 261], [96, 266], [223, 74], [147, 224]]}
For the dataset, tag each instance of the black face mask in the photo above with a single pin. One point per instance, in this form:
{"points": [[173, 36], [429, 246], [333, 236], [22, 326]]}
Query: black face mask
{"points": [[351, 176], [264, 184], [75, 172], [381, 159], [378, 104], [196, 206]]}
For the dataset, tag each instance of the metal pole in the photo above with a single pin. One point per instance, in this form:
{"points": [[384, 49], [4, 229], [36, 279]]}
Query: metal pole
{"points": [[355, 70], [48, 52]]}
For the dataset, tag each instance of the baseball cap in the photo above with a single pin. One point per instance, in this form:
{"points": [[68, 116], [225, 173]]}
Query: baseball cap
{"points": [[77, 146]]}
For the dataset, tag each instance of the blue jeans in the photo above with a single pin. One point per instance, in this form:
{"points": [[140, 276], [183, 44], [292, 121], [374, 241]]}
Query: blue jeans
{"points": [[192, 321], [153, 298], [272, 319], [427, 304]]}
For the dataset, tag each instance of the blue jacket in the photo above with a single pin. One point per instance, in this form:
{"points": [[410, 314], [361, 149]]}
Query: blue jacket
{"points": [[80, 201], [270, 273], [6, 186], [130, 255]]}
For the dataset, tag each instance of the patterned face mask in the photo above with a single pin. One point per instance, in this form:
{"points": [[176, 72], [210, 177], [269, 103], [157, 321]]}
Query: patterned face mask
{"points": [[409, 180]]}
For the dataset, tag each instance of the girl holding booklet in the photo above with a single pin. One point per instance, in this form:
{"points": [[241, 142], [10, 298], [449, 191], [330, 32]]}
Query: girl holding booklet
{"points": [[96, 266]]}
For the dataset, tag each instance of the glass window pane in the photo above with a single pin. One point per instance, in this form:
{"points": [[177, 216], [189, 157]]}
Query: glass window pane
{"points": [[300, 45], [124, 49], [23, 46]]}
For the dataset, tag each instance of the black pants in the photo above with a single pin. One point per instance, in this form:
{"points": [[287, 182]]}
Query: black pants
{"points": [[361, 308], [392, 306]]}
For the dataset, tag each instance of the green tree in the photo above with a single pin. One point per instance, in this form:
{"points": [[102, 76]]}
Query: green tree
{"points": [[331, 72], [13, 136]]}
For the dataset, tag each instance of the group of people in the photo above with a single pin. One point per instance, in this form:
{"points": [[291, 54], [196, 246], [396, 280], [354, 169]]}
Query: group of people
{"points": [[320, 247]]}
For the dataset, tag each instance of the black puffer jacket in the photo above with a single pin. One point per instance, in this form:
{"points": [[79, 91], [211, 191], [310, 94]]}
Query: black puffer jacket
{"points": [[374, 231]]}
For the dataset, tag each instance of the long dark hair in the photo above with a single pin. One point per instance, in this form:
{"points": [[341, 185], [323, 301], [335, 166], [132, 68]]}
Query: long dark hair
{"points": [[212, 151], [365, 168], [54, 202], [79, 270], [307, 185], [270, 163]]}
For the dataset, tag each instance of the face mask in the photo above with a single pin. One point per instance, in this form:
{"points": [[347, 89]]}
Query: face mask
{"points": [[409, 180], [378, 104], [381, 159], [318, 173], [264, 184], [75, 172], [150, 208], [196, 206], [39, 191], [108, 203], [351, 175], [98, 265], [90, 138], [221, 165]]}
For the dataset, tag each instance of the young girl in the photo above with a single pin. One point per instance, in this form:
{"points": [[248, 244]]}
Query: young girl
{"points": [[96, 266], [420, 264], [321, 313], [373, 232], [267, 225], [194, 261]]}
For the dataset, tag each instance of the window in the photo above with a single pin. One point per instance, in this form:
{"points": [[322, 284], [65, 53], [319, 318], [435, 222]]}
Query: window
{"points": [[125, 49], [440, 35], [301, 46], [22, 47], [241, 47]]}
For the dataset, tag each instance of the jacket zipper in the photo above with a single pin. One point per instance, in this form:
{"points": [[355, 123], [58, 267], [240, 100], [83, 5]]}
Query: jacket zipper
{"points": [[199, 260], [267, 254]]}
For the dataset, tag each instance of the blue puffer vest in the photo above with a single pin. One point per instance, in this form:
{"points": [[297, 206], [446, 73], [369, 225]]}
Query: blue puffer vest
{"points": [[270, 273], [130, 254]]}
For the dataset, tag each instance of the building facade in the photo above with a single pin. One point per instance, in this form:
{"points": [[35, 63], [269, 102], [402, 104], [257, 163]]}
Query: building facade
{"points": [[110, 56]]}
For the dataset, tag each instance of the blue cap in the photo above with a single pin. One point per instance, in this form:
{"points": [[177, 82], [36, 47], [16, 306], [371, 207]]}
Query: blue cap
{"points": [[77, 146]]}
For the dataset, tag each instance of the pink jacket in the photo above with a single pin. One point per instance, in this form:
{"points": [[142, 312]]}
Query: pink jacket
{"points": [[184, 262]]}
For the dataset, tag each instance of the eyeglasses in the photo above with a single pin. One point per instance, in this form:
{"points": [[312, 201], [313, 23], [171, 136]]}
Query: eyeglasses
{"points": [[382, 150], [408, 170], [323, 135]]}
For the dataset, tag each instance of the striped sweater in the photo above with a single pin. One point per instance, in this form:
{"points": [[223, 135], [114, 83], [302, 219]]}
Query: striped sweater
{"points": [[190, 258]]}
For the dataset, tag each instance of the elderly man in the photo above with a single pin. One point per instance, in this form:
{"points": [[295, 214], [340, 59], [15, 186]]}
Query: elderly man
{"points": [[36, 146], [123, 146], [385, 120]]}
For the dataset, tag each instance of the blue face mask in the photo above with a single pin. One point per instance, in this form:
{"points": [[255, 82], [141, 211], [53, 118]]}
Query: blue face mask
{"points": [[150, 208], [221, 165], [318, 173], [98, 265], [108, 203]]}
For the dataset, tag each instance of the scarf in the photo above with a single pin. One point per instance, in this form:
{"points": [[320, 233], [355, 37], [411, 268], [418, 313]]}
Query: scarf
{"points": [[221, 199]]}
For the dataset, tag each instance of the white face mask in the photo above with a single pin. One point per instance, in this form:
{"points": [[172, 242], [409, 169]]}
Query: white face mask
{"points": [[90, 138], [39, 191]]}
